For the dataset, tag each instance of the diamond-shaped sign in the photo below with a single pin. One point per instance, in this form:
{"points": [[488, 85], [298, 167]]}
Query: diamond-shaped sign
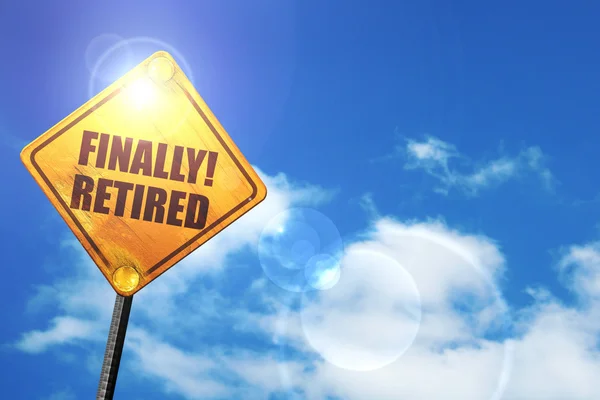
{"points": [[143, 174]]}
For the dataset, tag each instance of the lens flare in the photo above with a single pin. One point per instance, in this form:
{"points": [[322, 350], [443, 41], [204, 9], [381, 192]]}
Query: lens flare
{"points": [[141, 93], [300, 250], [369, 318], [110, 68], [121, 56]]}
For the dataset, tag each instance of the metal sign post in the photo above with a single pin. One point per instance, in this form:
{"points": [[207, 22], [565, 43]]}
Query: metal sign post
{"points": [[114, 348]]}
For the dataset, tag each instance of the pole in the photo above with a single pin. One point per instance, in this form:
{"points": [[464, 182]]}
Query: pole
{"points": [[114, 348]]}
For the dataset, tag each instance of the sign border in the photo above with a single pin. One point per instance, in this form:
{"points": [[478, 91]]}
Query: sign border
{"points": [[181, 248]]}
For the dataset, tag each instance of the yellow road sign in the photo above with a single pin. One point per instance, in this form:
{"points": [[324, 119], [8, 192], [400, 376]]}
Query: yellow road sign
{"points": [[143, 174]]}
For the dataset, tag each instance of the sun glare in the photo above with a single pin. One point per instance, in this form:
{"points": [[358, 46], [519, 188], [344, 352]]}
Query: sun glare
{"points": [[141, 92]]}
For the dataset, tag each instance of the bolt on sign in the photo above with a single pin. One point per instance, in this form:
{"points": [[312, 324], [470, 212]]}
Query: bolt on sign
{"points": [[143, 174]]}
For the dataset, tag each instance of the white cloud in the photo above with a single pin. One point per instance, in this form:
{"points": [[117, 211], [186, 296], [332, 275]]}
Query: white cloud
{"points": [[180, 372], [264, 372], [63, 330], [365, 325], [367, 203], [435, 157], [557, 357], [464, 345], [580, 267], [207, 375], [432, 150], [553, 355]]}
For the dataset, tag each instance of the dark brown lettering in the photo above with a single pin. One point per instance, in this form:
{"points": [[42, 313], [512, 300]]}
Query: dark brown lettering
{"points": [[120, 152], [102, 195], [138, 196], [194, 162], [210, 168], [175, 207], [159, 166], [82, 188], [197, 211], [176, 165], [123, 189], [155, 200], [142, 159], [86, 146], [102, 150]]}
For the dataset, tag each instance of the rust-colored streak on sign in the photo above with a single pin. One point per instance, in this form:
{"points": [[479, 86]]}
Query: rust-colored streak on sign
{"points": [[143, 173]]}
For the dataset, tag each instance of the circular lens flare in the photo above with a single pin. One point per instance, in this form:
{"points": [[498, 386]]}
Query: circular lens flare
{"points": [[107, 69], [298, 247], [369, 318]]}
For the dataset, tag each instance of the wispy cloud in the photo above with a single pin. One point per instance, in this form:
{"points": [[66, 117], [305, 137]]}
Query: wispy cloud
{"points": [[580, 269], [455, 171], [63, 330], [185, 373], [367, 203]]}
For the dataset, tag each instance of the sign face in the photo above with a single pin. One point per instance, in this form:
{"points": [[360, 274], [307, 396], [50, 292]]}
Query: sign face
{"points": [[143, 174]]}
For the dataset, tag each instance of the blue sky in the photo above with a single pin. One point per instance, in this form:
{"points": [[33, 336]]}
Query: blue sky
{"points": [[450, 145]]}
